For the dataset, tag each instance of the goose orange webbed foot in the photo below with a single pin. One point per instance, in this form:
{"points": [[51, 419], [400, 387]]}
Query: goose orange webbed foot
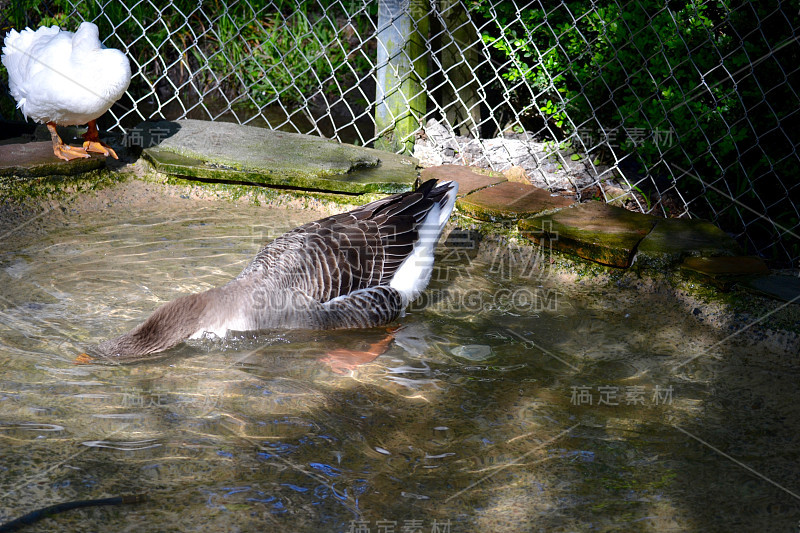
{"points": [[68, 153], [64, 151], [92, 142], [100, 148], [343, 361], [83, 359]]}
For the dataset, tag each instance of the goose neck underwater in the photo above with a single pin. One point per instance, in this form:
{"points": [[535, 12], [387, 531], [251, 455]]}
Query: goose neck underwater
{"points": [[358, 269]]}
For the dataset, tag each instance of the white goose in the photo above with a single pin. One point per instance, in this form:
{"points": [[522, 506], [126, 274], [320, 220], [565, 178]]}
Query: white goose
{"points": [[65, 79], [354, 270]]}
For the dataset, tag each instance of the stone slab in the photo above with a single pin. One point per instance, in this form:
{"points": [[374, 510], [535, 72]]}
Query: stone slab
{"points": [[673, 239], [723, 272], [34, 159], [725, 266], [594, 231], [223, 151], [468, 180], [779, 287], [510, 201]]}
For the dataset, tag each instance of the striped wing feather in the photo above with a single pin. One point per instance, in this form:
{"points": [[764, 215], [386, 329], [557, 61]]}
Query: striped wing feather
{"points": [[344, 253]]}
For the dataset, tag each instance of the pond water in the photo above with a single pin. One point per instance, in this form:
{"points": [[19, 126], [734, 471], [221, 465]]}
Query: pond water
{"points": [[511, 399]]}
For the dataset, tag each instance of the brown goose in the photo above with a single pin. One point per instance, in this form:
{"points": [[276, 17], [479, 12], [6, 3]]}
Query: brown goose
{"points": [[354, 270]]}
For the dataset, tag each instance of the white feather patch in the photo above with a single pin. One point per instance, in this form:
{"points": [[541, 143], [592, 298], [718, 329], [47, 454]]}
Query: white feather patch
{"points": [[415, 272]]}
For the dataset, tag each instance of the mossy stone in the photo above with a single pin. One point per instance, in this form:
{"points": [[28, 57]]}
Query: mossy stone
{"points": [[726, 266], [673, 239], [222, 151], [723, 272], [594, 231], [509, 201]]}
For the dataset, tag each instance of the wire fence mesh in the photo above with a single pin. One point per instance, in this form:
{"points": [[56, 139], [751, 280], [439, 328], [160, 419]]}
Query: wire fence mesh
{"points": [[683, 108]]}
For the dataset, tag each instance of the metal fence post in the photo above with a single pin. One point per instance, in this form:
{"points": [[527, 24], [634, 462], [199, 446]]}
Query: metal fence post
{"points": [[402, 66]]}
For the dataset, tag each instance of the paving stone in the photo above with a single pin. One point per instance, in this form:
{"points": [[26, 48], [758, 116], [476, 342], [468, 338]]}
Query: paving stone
{"points": [[725, 266], [673, 239], [34, 159], [224, 151], [780, 287], [594, 231], [723, 272], [468, 180], [509, 200]]}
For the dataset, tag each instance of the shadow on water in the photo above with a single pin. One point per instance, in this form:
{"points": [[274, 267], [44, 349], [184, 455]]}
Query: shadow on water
{"points": [[477, 414]]}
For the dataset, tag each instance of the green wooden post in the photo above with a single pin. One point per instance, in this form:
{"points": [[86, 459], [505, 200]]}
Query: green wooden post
{"points": [[462, 104], [401, 96]]}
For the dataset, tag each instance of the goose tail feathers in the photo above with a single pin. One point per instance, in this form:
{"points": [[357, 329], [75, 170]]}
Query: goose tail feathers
{"points": [[415, 272]]}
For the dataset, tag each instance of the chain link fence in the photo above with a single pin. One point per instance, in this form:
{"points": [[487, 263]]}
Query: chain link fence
{"points": [[686, 108]]}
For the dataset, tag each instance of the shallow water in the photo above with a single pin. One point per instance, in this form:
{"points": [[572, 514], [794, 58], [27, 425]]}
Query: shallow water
{"points": [[476, 418]]}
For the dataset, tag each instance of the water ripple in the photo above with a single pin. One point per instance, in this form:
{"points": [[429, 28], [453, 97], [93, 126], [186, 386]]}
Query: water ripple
{"points": [[132, 445], [30, 426]]}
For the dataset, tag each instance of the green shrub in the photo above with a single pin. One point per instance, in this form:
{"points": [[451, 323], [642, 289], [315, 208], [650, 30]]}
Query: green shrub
{"points": [[650, 72], [628, 66]]}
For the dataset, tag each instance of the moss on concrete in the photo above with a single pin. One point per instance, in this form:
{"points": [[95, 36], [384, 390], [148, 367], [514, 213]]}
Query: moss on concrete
{"points": [[22, 189], [256, 194], [231, 152], [722, 272]]}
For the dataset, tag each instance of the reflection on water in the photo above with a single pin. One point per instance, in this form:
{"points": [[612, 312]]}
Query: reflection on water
{"points": [[506, 403]]}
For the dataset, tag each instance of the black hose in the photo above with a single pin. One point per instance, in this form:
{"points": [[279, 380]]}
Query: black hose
{"points": [[35, 516]]}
